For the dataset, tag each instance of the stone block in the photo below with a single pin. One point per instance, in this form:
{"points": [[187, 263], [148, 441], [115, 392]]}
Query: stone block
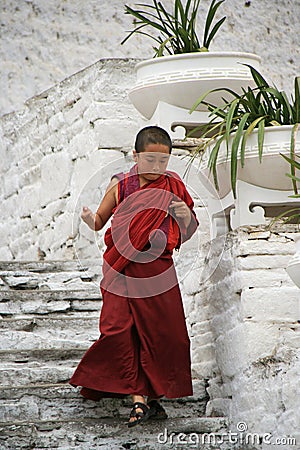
{"points": [[290, 336], [261, 247], [19, 246], [56, 170], [204, 353], [277, 294], [202, 340], [46, 239], [200, 327], [270, 308], [218, 407], [83, 143], [45, 216], [5, 253], [9, 207], [204, 369], [15, 410], [62, 229], [27, 375], [18, 282], [30, 176], [56, 122], [264, 262], [244, 345], [94, 172], [259, 278], [5, 233], [28, 200], [225, 321], [40, 134], [109, 133], [11, 182], [259, 235], [188, 304], [191, 283]]}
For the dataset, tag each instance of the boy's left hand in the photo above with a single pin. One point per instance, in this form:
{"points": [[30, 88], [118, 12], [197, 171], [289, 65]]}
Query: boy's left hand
{"points": [[181, 211]]}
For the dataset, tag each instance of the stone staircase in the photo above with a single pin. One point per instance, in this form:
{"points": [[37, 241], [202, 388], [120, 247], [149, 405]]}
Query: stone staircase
{"points": [[49, 313]]}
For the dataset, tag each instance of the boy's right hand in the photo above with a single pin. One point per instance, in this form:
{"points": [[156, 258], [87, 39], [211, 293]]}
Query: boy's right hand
{"points": [[88, 217]]}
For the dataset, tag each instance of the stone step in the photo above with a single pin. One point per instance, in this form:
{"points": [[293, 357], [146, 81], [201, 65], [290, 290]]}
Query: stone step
{"points": [[42, 356], [49, 317], [113, 433], [18, 380], [47, 337], [77, 323], [23, 279], [51, 266], [16, 302], [62, 401], [36, 372], [20, 341]]}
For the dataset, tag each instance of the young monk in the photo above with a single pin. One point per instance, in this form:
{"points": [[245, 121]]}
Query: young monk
{"points": [[144, 348]]}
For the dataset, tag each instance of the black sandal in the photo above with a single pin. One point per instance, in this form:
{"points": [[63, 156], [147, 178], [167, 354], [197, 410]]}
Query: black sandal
{"points": [[157, 411], [139, 416]]}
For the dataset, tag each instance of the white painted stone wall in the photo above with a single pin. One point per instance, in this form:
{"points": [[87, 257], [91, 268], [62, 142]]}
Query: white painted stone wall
{"points": [[252, 310], [44, 41], [58, 154]]}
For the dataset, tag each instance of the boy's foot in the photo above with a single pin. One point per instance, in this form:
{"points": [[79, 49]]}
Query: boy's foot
{"points": [[139, 413], [157, 411]]}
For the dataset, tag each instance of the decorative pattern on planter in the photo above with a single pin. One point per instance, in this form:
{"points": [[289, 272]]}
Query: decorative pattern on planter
{"points": [[178, 80]]}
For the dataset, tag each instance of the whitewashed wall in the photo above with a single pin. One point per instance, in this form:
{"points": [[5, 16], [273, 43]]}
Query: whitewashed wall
{"points": [[249, 311], [50, 154], [59, 153], [45, 41]]}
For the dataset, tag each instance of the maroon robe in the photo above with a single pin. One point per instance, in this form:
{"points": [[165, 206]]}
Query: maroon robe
{"points": [[144, 346]]}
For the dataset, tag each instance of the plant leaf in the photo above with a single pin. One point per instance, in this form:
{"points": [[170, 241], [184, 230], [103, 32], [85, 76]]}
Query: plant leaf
{"points": [[213, 32], [246, 135], [229, 119], [260, 138], [292, 155], [212, 162], [297, 100], [207, 37]]}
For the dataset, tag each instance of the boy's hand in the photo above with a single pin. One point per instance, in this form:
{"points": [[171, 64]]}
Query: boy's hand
{"points": [[88, 217], [181, 211]]}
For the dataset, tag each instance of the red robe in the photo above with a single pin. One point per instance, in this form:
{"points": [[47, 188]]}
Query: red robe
{"points": [[143, 347]]}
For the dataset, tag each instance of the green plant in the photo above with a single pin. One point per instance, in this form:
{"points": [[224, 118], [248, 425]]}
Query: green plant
{"points": [[177, 30], [232, 122]]}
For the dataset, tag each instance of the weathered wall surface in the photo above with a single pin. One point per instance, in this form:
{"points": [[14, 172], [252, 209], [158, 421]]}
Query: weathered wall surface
{"points": [[252, 308], [59, 154], [43, 42], [50, 153]]}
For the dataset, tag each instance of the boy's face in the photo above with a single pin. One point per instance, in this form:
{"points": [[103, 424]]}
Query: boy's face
{"points": [[153, 161]]}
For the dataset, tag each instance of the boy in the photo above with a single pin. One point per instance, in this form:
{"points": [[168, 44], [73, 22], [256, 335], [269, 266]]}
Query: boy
{"points": [[143, 349]]}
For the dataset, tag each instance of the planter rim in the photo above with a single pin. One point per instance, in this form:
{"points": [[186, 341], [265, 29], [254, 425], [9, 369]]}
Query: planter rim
{"points": [[277, 128], [196, 55], [271, 128]]}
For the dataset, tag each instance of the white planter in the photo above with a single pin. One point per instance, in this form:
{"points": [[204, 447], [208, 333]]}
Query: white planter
{"points": [[268, 174], [293, 268], [180, 79], [260, 187]]}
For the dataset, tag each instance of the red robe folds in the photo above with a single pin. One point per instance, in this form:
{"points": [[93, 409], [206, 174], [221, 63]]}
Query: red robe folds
{"points": [[143, 346]]}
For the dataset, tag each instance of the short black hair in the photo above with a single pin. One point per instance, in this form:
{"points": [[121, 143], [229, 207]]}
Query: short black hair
{"points": [[152, 135]]}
